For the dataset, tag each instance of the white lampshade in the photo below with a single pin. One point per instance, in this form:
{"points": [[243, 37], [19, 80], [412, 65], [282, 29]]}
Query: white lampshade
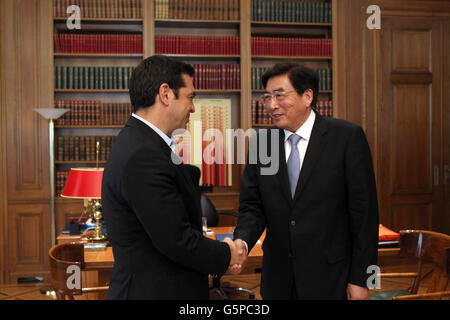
{"points": [[51, 113]]}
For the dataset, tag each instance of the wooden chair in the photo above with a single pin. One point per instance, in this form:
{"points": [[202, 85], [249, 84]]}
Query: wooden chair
{"points": [[440, 295], [428, 247], [67, 262]]}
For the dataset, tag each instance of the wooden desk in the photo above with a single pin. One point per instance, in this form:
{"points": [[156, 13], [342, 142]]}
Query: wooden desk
{"points": [[99, 264], [104, 260], [95, 260]]}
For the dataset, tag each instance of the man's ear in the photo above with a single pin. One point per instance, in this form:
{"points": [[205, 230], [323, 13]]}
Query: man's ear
{"points": [[163, 93], [308, 95]]}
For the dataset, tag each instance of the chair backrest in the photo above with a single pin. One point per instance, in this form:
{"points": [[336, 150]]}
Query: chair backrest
{"points": [[209, 211], [431, 247], [66, 262]]}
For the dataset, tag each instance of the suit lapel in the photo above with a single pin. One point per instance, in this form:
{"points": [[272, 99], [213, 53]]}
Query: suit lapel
{"points": [[315, 147], [282, 172]]}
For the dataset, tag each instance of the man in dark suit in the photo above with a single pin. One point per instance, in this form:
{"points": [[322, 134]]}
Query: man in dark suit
{"points": [[320, 208], [151, 204]]}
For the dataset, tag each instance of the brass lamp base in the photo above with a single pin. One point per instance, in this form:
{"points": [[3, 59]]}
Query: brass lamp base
{"points": [[96, 213]]}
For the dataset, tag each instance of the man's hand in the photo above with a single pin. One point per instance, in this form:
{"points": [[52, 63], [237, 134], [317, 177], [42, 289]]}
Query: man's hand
{"points": [[238, 255], [355, 292]]}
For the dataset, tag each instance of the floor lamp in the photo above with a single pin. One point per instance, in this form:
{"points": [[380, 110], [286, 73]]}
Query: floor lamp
{"points": [[52, 114]]}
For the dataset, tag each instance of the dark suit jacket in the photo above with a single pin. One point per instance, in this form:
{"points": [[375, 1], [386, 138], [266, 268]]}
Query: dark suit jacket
{"points": [[152, 212], [326, 236]]}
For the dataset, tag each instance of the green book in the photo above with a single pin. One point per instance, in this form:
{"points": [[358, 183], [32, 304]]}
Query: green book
{"points": [[125, 78], [86, 78], [110, 77], [115, 82], [320, 12], [75, 77], [330, 80], [96, 78], [253, 79], [101, 84], [80, 77], [91, 78], [59, 78], [130, 71], [120, 77], [70, 77]]}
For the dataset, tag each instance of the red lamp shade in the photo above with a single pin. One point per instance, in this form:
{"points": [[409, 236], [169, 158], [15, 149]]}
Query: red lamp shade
{"points": [[84, 183]]}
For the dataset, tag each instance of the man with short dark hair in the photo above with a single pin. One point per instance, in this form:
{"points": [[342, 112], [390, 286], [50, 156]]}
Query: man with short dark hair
{"points": [[320, 209], [152, 205]]}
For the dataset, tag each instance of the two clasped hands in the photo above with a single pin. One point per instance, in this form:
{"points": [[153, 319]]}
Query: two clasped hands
{"points": [[238, 255]]}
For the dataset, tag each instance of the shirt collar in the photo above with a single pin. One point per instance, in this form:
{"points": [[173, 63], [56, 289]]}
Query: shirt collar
{"points": [[305, 130], [170, 141]]}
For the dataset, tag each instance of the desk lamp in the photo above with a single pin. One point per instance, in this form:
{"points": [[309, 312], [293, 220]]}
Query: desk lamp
{"points": [[86, 183]]}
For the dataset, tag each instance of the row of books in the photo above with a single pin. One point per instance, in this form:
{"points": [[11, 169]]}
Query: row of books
{"points": [[97, 43], [197, 9], [217, 76], [61, 178], [125, 9], [70, 77], [325, 108], [168, 44], [286, 46], [291, 11], [83, 148], [86, 113], [325, 78], [260, 114]]}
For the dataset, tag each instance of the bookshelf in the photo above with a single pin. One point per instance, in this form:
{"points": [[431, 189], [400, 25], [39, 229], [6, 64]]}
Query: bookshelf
{"points": [[228, 30], [207, 38], [92, 67], [294, 31]]}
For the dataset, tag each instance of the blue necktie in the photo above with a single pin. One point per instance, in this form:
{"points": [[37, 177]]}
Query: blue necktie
{"points": [[293, 163]]}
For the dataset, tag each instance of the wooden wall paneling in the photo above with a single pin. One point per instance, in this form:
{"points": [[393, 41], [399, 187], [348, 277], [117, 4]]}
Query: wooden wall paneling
{"points": [[415, 216], [27, 81], [358, 50], [28, 244], [411, 122]]}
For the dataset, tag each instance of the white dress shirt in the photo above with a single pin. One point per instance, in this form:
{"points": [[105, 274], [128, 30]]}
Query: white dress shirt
{"points": [[170, 141], [305, 133]]}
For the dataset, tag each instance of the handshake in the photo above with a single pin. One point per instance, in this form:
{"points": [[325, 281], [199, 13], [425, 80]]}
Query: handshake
{"points": [[238, 255]]}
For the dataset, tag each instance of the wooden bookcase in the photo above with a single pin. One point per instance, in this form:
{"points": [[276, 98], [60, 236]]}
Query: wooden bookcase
{"points": [[154, 24], [113, 21]]}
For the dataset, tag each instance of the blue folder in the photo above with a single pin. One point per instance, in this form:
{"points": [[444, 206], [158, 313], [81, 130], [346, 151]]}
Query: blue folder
{"points": [[222, 236]]}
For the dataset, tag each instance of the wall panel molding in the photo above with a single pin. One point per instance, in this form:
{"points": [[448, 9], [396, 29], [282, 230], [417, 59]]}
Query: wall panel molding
{"points": [[26, 68]]}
